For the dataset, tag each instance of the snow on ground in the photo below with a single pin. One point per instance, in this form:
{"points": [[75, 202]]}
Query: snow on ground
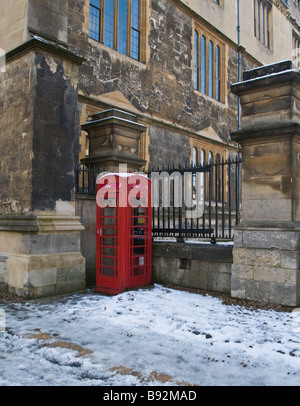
{"points": [[155, 336]]}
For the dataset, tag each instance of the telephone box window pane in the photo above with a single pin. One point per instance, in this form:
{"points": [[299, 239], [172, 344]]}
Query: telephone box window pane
{"points": [[140, 270], [109, 221], [109, 231], [109, 261], [107, 271], [138, 211], [109, 211], [109, 11], [122, 27], [139, 246], [109, 241], [109, 251]]}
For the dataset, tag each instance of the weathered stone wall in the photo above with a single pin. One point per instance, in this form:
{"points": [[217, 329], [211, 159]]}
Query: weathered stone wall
{"points": [[17, 95], [56, 133], [39, 134], [161, 88], [49, 18], [198, 266], [13, 23], [167, 147]]}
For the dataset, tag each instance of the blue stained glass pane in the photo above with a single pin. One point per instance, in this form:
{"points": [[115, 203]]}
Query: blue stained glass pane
{"points": [[203, 64], [196, 81], [94, 24], [109, 11], [196, 61], [135, 44], [135, 14], [122, 26], [210, 69], [95, 3], [135, 30], [218, 89]]}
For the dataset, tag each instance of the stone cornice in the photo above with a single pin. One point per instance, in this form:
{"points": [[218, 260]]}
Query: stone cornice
{"points": [[292, 76], [285, 129], [32, 223], [39, 43]]}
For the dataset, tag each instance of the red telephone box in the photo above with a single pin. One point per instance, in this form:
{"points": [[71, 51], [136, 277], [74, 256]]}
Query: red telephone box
{"points": [[124, 233]]}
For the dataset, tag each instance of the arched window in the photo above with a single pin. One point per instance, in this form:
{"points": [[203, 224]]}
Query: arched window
{"points": [[195, 156], [207, 65], [218, 178], [210, 158], [262, 16], [196, 61], [202, 157]]}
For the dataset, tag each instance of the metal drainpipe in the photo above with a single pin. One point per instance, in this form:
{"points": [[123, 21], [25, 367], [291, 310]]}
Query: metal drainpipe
{"points": [[239, 104], [239, 59]]}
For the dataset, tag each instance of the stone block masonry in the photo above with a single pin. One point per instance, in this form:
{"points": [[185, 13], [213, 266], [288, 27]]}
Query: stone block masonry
{"points": [[266, 266], [198, 266], [266, 253]]}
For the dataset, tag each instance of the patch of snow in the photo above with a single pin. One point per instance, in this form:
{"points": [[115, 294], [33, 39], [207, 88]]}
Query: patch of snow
{"points": [[186, 336]]}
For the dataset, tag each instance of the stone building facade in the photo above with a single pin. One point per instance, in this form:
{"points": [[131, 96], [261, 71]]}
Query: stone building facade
{"points": [[170, 63], [147, 57]]}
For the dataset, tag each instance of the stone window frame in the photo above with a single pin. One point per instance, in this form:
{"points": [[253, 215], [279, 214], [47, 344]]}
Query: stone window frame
{"points": [[296, 40], [216, 87], [143, 29], [205, 153], [262, 22]]}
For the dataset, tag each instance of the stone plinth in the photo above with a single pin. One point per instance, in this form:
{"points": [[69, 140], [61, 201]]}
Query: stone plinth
{"points": [[266, 248], [114, 140]]}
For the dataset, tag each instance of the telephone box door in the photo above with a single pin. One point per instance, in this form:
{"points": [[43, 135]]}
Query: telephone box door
{"points": [[109, 267], [140, 245]]}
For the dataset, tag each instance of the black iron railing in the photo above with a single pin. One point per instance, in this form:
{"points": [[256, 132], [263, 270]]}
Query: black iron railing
{"points": [[187, 202], [213, 208], [85, 179]]}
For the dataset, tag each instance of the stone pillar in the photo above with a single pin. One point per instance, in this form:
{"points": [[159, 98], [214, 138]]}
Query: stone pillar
{"points": [[39, 137], [114, 140], [266, 253]]}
